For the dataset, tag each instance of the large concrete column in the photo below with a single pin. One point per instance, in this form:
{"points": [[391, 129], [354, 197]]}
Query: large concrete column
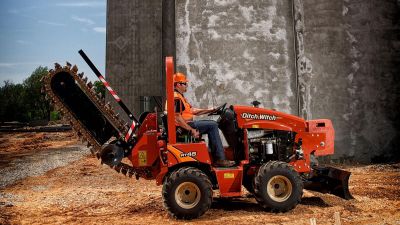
{"points": [[134, 50], [354, 47], [316, 58], [168, 34], [304, 71], [237, 51]]}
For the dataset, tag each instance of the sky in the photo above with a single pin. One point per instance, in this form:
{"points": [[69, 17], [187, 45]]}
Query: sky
{"points": [[37, 33]]}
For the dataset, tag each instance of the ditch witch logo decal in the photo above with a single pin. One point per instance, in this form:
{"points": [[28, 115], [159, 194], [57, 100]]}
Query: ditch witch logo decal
{"points": [[258, 116]]}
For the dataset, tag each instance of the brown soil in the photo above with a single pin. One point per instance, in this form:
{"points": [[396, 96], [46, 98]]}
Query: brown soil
{"points": [[15, 145], [85, 192]]}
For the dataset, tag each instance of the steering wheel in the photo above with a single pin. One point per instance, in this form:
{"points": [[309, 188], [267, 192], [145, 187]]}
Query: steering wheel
{"points": [[218, 111]]}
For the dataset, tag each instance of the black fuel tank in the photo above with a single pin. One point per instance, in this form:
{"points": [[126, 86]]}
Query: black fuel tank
{"points": [[228, 125]]}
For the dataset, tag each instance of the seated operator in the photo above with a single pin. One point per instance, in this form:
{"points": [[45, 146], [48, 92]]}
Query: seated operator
{"points": [[184, 114]]}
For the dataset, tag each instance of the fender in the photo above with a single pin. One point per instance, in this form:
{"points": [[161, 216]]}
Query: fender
{"points": [[267, 125]]}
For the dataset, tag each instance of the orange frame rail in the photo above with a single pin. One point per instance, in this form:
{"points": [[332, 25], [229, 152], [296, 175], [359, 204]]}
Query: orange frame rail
{"points": [[169, 67]]}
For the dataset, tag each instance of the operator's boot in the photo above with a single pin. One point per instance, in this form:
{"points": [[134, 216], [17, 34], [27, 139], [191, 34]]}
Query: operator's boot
{"points": [[224, 163]]}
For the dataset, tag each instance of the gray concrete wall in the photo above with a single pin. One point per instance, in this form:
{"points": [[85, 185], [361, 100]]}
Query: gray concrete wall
{"points": [[347, 55], [315, 58], [133, 56], [354, 48], [237, 51]]}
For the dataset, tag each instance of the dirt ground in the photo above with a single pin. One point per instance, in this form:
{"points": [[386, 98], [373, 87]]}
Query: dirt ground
{"points": [[85, 192], [15, 145]]}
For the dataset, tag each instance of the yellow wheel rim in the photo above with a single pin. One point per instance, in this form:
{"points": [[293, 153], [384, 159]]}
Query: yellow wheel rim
{"points": [[279, 188], [187, 195]]}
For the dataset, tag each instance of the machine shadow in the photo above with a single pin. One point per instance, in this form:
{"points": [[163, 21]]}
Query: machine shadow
{"points": [[235, 204], [246, 205], [314, 201]]}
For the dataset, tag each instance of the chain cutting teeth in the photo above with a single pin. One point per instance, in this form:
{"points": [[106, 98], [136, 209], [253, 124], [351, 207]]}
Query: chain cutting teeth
{"points": [[57, 66], [74, 69], [68, 65], [79, 129], [92, 151], [124, 170], [118, 168]]}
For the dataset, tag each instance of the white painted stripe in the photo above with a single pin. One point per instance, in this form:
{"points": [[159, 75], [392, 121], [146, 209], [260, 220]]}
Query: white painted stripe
{"points": [[128, 135]]}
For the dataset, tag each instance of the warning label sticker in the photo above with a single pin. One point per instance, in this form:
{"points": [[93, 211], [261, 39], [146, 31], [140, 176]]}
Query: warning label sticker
{"points": [[229, 175], [142, 158]]}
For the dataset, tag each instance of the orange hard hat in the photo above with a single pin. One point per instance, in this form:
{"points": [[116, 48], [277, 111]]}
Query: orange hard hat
{"points": [[180, 78]]}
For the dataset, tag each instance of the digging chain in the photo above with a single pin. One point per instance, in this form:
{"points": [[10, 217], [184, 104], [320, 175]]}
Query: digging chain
{"points": [[106, 109]]}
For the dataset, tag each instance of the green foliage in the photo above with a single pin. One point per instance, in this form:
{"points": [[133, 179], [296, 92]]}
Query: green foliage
{"points": [[55, 115], [37, 106], [24, 102], [12, 101], [99, 88]]}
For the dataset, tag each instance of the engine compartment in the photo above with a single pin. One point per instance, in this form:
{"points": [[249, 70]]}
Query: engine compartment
{"points": [[267, 145], [263, 144]]}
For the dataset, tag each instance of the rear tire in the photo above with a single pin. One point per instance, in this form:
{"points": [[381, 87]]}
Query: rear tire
{"points": [[278, 187], [187, 193]]}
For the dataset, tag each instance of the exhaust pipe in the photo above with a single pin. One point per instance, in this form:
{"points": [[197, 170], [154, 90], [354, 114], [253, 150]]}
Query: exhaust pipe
{"points": [[329, 180]]}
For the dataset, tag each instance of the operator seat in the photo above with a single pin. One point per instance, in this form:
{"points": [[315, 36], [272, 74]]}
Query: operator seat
{"points": [[182, 135], [143, 116]]}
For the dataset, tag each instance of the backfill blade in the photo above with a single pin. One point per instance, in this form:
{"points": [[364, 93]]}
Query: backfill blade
{"points": [[330, 180]]}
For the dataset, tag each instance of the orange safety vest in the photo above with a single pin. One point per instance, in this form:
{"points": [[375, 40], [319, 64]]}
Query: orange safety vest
{"points": [[187, 112]]}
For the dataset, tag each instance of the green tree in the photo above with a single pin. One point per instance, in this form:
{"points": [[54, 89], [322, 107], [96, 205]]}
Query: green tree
{"points": [[99, 88], [38, 106], [24, 102], [13, 107]]}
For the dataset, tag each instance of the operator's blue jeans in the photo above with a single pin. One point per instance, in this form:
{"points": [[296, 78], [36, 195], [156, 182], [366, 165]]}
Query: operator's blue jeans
{"points": [[210, 127]]}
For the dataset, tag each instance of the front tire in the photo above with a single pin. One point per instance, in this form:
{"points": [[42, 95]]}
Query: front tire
{"points": [[187, 193], [278, 187]]}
